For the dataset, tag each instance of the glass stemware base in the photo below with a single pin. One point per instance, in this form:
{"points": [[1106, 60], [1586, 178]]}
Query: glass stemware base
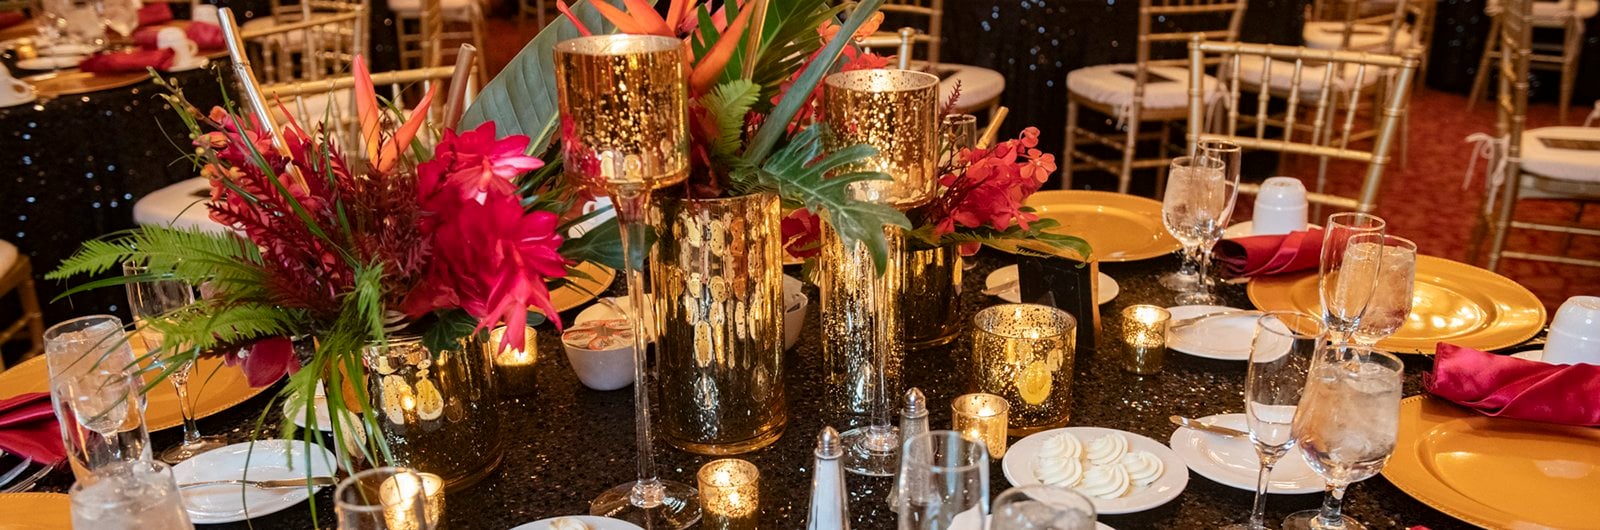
{"points": [[872, 450], [188, 450], [667, 505], [1182, 281], [1309, 520], [1196, 298]]}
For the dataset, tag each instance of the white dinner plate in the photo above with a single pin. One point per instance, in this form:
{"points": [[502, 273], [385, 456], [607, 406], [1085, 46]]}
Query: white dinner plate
{"points": [[50, 63], [80, 50], [1247, 229], [1223, 338], [595, 522], [1106, 290], [24, 100], [198, 62], [224, 503], [1231, 461], [969, 521], [1019, 463]]}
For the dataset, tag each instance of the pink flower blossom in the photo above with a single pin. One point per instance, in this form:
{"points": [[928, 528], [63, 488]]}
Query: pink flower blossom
{"points": [[474, 163], [267, 361]]}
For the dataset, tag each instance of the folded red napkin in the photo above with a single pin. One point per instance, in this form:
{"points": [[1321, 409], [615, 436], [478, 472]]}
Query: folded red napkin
{"points": [[1268, 255], [12, 18], [28, 427], [134, 61], [154, 13], [206, 36], [1508, 387]]}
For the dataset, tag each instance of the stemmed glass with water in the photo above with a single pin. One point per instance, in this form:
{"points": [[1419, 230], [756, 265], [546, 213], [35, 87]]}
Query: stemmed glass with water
{"points": [[1346, 282], [154, 299], [1346, 425], [1281, 353], [1196, 207], [1395, 281], [943, 475], [120, 16]]}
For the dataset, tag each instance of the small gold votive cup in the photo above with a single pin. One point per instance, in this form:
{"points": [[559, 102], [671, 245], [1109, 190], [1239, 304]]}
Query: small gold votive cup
{"points": [[897, 113], [433, 492], [1144, 331], [982, 417], [1024, 353], [730, 495], [515, 370]]}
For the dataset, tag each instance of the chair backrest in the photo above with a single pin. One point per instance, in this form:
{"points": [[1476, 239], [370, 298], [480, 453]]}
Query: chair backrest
{"points": [[330, 101], [1511, 101], [1396, 15], [322, 40], [928, 35], [1166, 24], [1330, 136]]}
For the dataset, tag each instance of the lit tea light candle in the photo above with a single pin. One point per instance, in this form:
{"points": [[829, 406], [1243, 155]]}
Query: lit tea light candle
{"points": [[1144, 329], [730, 494], [513, 367], [982, 417], [398, 495], [433, 492]]}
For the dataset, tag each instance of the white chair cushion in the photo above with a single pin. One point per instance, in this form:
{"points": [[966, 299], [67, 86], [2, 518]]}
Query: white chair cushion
{"points": [[1552, 14], [1282, 76], [1363, 37], [1557, 163], [979, 86], [181, 205], [1112, 84], [8, 256]]}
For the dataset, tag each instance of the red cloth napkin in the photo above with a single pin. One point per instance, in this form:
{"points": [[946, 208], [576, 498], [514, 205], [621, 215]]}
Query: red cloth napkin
{"points": [[11, 18], [154, 13], [135, 61], [28, 427], [206, 36], [1508, 387], [1268, 255]]}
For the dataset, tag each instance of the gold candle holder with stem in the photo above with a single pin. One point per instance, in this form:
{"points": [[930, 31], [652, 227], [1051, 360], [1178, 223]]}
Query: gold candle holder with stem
{"points": [[730, 495], [624, 132], [514, 369], [982, 417], [896, 112], [1144, 331]]}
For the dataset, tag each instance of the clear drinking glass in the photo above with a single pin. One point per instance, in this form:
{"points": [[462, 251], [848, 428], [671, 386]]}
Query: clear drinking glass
{"points": [[120, 16], [1195, 210], [1345, 286], [152, 299], [133, 495], [385, 498], [1040, 507], [1280, 356], [1391, 301], [1187, 277], [1346, 425], [97, 400], [943, 474]]}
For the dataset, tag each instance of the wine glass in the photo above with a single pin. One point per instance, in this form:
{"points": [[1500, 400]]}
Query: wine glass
{"points": [[1346, 425], [385, 498], [943, 474], [120, 16], [1195, 210], [1391, 300], [1285, 343], [1345, 285], [1040, 507], [152, 299], [1186, 278], [132, 494], [624, 128]]}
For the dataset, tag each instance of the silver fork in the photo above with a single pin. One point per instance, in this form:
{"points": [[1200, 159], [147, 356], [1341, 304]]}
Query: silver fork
{"points": [[1186, 322], [27, 483], [264, 484], [5, 478]]}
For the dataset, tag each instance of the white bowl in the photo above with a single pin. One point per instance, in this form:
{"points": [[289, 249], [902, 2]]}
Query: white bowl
{"points": [[794, 310], [602, 370]]}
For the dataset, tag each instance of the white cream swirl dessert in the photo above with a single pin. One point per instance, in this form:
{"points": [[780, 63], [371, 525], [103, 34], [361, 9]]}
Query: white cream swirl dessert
{"points": [[1105, 482], [1063, 472], [1106, 450], [568, 523], [1143, 467], [1063, 445]]}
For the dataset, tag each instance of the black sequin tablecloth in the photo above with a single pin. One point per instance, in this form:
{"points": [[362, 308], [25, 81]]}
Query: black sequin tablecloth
{"points": [[565, 443]]}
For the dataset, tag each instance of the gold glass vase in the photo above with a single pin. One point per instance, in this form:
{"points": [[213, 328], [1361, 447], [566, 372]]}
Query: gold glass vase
{"points": [[931, 297], [1024, 353], [717, 275], [432, 405], [844, 282]]}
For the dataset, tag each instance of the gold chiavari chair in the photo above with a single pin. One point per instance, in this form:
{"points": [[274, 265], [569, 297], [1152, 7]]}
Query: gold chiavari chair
{"points": [[1380, 26], [1568, 16], [1546, 163], [981, 88], [1331, 134], [424, 29], [533, 7], [16, 276], [305, 99], [1149, 90], [323, 41]]}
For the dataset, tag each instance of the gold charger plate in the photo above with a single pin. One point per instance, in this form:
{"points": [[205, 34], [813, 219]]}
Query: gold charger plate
{"points": [[1118, 227], [19, 31], [579, 290], [1453, 302], [1496, 473], [71, 82], [209, 393], [35, 511]]}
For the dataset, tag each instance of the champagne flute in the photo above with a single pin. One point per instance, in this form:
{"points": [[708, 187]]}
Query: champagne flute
{"points": [[624, 126], [1285, 343], [1187, 277], [1391, 300], [1346, 425], [1040, 507], [1195, 209], [1345, 286], [152, 299], [120, 16], [943, 475]]}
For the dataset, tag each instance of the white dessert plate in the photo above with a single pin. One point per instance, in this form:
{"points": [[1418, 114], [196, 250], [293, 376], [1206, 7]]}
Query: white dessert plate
{"points": [[45, 62], [1247, 229], [1535, 355], [1231, 461], [226, 503], [1107, 288], [1020, 461], [595, 522], [1223, 338], [198, 62], [968, 521], [30, 98], [68, 49]]}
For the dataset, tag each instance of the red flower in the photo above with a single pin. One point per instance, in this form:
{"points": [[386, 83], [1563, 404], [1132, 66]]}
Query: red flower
{"points": [[474, 163], [268, 361], [990, 192], [802, 234]]}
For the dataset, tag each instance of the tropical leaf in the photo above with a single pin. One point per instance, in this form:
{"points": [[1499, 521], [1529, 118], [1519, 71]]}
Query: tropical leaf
{"points": [[186, 254], [788, 40], [601, 244], [1037, 240], [727, 105], [522, 98]]}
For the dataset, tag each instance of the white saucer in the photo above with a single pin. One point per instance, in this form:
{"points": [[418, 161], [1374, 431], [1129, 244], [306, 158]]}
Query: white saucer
{"points": [[1247, 229], [227, 503], [30, 98], [1223, 338], [1231, 461], [67, 49], [968, 521], [199, 62], [1019, 463], [595, 522], [51, 63], [1536, 356], [1106, 290]]}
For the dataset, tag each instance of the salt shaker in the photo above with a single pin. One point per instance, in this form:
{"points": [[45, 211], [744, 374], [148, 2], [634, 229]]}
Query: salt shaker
{"points": [[830, 507], [913, 421], [1280, 207]]}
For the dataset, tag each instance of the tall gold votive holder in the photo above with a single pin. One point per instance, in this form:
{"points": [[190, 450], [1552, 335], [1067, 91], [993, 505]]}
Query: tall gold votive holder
{"points": [[982, 417], [730, 495], [1024, 353], [1144, 331], [514, 369], [623, 110], [895, 111]]}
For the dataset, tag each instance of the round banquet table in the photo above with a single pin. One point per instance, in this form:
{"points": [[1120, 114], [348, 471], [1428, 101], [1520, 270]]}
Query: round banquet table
{"points": [[566, 443]]}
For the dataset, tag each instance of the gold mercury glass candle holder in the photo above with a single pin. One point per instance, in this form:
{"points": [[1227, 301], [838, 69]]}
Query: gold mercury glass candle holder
{"points": [[433, 495], [982, 417], [895, 111], [1144, 330], [513, 368], [730, 495], [1024, 353]]}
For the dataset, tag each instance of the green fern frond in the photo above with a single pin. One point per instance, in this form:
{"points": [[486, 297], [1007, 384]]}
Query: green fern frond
{"points": [[727, 105]]}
